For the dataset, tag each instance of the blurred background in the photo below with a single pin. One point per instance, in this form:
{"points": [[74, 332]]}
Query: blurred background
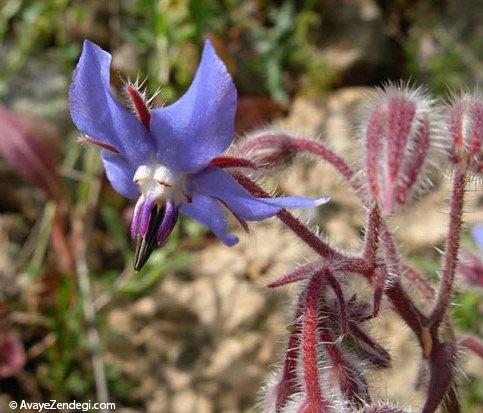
{"points": [[196, 330]]}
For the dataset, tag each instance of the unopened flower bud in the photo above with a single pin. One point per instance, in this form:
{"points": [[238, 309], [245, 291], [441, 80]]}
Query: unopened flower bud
{"points": [[464, 132], [398, 140]]}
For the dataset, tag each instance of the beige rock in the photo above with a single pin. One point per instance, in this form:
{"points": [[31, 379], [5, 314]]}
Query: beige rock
{"points": [[144, 307], [120, 321], [188, 401]]}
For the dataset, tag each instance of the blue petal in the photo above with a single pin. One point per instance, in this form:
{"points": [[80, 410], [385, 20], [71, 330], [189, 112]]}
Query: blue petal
{"points": [[477, 234], [200, 125], [218, 183], [120, 174], [97, 113], [208, 212]]}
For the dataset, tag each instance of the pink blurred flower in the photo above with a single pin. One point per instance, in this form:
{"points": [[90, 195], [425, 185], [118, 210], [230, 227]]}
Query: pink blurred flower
{"points": [[471, 263], [12, 355]]}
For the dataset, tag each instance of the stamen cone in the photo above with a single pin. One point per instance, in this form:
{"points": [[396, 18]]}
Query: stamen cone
{"points": [[145, 245], [162, 220]]}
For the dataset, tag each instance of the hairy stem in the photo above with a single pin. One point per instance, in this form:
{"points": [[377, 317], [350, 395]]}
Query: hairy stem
{"points": [[288, 384], [344, 262], [350, 380], [395, 291], [450, 259], [309, 343], [298, 145], [372, 234]]}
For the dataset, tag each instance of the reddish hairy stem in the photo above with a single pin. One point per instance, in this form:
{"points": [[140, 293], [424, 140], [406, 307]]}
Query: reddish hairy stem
{"points": [[334, 284], [418, 280], [390, 251], [232, 162], [293, 223], [309, 344], [442, 370], [300, 273], [370, 350], [350, 381], [406, 308], [372, 235], [399, 298], [314, 242], [288, 385], [395, 292], [402, 303], [299, 145], [378, 282], [342, 261], [450, 260]]}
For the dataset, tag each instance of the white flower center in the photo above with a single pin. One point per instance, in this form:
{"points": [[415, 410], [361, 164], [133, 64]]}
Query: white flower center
{"points": [[161, 183]]}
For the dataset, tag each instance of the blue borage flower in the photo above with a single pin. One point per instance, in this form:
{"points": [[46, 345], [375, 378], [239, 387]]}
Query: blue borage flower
{"points": [[163, 157], [477, 235]]}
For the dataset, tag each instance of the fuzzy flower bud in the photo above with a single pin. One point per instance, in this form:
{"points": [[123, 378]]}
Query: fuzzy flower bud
{"points": [[398, 140], [464, 132]]}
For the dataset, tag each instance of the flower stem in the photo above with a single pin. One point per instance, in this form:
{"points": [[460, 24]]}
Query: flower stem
{"points": [[349, 379], [298, 145], [344, 262], [450, 259], [372, 234], [395, 291], [309, 343], [288, 383]]}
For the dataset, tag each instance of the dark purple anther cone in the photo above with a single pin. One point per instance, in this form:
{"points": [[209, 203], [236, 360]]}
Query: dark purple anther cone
{"points": [[151, 231]]}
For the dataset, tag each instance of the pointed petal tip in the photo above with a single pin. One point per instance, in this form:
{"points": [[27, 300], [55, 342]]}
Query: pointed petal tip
{"points": [[97, 113], [90, 44], [200, 125], [323, 200], [208, 43], [231, 240]]}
